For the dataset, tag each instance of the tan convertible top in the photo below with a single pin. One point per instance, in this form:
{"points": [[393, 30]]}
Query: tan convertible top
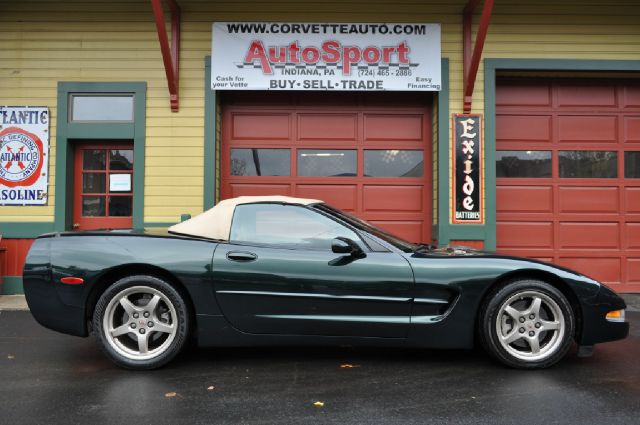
{"points": [[216, 222]]}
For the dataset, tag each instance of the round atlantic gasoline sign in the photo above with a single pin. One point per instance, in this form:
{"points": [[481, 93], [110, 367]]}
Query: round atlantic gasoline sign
{"points": [[21, 155]]}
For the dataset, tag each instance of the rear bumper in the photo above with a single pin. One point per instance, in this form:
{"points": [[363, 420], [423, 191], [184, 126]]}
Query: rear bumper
{"points": [[595, 327], [42, 297], [50, 312]]}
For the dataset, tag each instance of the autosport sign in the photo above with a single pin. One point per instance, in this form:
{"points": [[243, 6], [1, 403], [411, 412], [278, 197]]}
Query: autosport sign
{"points": [[325, 56], [24, 155]]}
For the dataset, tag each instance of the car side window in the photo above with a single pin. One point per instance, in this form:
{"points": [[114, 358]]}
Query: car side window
{"points": [[286, 226]]}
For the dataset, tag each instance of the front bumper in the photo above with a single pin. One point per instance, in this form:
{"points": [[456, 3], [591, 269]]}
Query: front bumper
{"points": [[595, 327]]}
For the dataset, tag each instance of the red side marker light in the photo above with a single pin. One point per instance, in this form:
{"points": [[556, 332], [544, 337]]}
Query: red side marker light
{"points": [[70, 280]]}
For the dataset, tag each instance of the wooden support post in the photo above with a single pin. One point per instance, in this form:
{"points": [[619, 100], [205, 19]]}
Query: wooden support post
{"points": [[170, 55], [471, 61]]}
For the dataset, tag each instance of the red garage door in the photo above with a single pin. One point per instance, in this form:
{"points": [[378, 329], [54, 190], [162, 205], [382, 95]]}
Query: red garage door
{"points": [[369, 155], [568, 167]]}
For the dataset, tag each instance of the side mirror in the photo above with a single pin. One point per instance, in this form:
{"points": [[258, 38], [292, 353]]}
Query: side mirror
{"points": [[342, 245]]}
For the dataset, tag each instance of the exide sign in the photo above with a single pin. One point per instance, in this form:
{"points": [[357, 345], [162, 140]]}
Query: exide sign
{"points": [[297, 56], [467, 173]]}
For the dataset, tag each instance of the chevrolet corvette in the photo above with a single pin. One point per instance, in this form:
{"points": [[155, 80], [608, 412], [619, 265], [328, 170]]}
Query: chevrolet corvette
{"points": [[277, 270]]}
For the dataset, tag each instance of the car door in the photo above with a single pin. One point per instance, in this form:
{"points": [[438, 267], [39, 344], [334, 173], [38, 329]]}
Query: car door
{"points": [[278, 275]]}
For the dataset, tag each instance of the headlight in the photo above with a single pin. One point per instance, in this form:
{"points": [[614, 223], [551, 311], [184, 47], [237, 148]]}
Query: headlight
{"points": [[615, 316]]}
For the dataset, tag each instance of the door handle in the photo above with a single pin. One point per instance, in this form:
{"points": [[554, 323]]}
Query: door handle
{"points": [[241, 256]]}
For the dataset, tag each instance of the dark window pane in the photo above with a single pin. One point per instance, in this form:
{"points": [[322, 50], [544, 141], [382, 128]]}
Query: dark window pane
{"points": [[393, 163], [93, 182], [93, 206], [327, 163], [121, 159], [588, 164], [523, 164], [94, 159], [260, 162], [120, 206], [286, 226], [102, 108], [632, 165]]}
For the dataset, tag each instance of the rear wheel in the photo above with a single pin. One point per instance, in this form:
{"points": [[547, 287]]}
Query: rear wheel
{"points": [[527, 324], [141, 322]]}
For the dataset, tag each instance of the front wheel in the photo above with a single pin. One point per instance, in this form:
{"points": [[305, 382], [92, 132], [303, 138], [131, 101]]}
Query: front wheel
{"points": [[141, 322], [527, 324]]}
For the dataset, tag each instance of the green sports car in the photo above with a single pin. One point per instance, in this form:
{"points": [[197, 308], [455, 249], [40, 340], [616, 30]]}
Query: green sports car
{"points": [[287, 271]]}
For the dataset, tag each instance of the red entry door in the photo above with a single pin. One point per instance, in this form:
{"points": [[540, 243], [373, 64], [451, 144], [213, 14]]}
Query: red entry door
{"points": [[103, 186]]}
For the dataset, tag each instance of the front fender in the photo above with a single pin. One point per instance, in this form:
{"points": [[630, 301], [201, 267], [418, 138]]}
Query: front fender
{"points": [[465, 280]]}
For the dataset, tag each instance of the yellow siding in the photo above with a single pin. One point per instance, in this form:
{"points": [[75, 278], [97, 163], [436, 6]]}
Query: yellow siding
{"points": [[49, 41], [547, 29]]}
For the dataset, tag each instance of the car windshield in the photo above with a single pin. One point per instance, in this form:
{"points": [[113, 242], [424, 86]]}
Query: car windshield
{"points": [[368, 227]]}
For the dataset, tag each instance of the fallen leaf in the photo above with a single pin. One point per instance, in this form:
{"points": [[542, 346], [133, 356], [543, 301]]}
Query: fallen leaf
{"points": [[319, 403], [349, 366], [10, 357], [211, 388], [171, 394]]}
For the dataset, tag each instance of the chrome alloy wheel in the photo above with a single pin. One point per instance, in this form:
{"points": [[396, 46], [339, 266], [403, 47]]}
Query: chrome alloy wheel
{"points": [[530, 325], [140, 323]]}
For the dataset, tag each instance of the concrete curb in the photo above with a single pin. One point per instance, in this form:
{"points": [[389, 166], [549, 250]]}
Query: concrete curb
{"points": [[633, 301], [13, 302]]}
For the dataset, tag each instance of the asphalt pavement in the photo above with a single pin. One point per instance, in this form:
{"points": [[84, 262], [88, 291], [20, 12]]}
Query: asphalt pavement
{"points": [[50, 378]]}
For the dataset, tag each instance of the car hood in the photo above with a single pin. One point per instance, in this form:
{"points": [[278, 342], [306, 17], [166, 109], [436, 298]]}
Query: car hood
{"points": [[465, 251], [458, 251], [450, 250]]}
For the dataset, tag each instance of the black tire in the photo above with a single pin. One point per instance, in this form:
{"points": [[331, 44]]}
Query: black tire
{"points": [[158, 314], [499, 324]]}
